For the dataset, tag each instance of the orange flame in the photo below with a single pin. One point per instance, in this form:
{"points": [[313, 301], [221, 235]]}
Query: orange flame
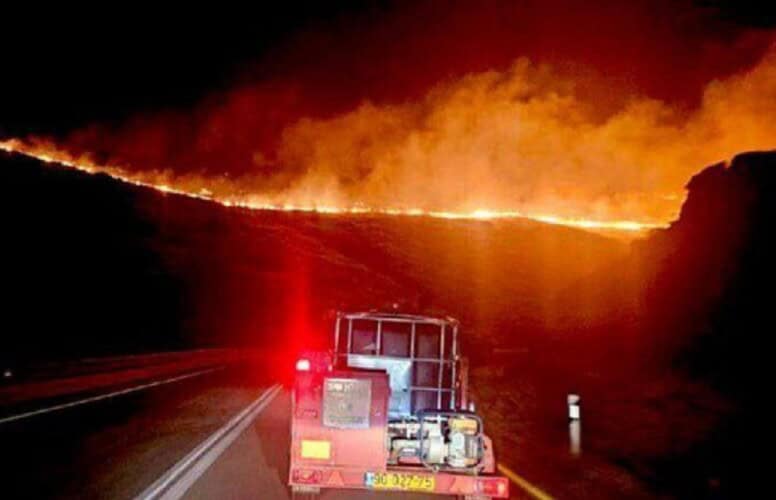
{"points": [[519, 143], [167, 183]]}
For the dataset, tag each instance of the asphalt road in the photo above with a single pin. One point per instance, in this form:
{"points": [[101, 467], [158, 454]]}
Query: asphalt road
{"points": [[125, 446], [116, 447]]}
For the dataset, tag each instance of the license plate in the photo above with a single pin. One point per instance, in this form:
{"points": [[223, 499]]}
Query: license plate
{"points": [[398, 481]]}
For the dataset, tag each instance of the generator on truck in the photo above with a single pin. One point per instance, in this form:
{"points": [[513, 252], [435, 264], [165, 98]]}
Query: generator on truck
{"points": [[388, 409]]}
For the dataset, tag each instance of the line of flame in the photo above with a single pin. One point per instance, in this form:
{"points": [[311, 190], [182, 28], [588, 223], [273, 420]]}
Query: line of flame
{"points": [[50, 155]]}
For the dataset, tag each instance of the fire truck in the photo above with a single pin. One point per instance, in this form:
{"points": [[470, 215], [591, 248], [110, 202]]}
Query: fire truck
{"points": [[387, 409]]}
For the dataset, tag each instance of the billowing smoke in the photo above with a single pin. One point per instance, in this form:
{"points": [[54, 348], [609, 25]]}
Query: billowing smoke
{"points": [[524, 140], [535, 138]]}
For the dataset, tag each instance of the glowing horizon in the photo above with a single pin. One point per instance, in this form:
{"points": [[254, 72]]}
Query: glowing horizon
{"points": [[52, 155]]}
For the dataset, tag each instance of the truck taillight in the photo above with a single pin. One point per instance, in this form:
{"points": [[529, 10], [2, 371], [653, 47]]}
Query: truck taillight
{"points": [[306, 476], [303, 365]]}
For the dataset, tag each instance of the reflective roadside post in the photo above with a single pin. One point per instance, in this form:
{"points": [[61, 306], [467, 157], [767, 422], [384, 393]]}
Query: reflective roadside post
{"points": [[575, 423]]}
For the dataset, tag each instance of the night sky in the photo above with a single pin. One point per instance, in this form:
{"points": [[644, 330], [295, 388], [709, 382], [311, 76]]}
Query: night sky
{"points": [[66, 66]]}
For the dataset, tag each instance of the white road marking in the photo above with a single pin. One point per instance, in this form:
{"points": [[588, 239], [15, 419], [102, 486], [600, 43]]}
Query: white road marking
{"points": [[160, 354], [177, 480], [109, 395]]}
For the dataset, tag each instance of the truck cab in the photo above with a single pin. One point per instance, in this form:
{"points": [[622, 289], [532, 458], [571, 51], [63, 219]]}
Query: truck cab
{"points": [[387, 409]]}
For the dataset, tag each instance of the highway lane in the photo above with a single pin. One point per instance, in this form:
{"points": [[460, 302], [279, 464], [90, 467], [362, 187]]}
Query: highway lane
{"points": [[123, 446], [116, 447]]}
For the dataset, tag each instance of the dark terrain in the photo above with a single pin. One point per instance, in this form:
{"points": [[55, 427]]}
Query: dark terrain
{"points": [[99, 266], [672, 344]]}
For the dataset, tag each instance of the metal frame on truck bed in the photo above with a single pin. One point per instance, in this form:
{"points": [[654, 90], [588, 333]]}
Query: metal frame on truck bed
{"points": [[422, 360], [387, 409]]}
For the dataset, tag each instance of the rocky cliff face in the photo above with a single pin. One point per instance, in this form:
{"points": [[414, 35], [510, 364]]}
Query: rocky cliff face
{"points": [[724, 243], [714, 292], [687, 283], [689, 311]]}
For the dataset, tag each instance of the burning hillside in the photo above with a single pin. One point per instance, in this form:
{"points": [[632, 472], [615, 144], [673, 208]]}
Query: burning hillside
{"points": [[222, 274], [166, 182], [517, 143], [526, 135]]}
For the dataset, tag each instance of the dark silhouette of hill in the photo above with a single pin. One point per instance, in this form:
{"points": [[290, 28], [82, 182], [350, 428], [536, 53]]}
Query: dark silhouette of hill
{"points": [[724, 245], [94, 265], [690, 291], [691, 303], [726, 240], [79, 275]]}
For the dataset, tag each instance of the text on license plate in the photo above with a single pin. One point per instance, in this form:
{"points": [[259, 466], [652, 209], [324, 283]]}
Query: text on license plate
{"points": [[397, 481]]}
